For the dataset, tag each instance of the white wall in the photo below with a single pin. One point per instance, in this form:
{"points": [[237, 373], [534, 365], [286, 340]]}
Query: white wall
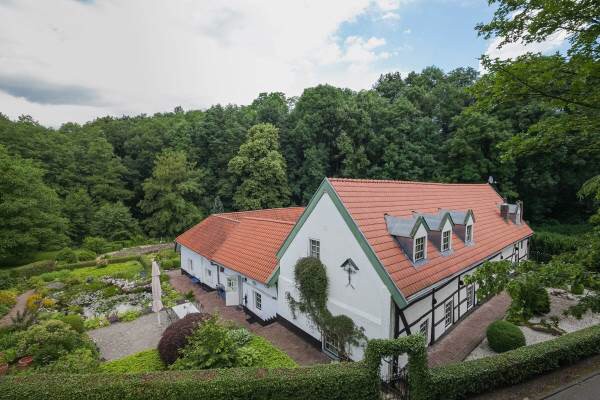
{"points": [[199, 267], [368, 303], [268, 296]]}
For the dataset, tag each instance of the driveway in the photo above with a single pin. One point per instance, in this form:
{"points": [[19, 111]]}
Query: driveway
{"points": [[125, 338], [294, 345]]}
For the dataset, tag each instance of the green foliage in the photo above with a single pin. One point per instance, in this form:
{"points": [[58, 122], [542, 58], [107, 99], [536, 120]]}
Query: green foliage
{"points": [[171, 194], [577, 288], [589, 302], [80, 361], [529, 297], [260, 353], [29, 209], [113, 221], [491, 278], [313, 285], [259, 171], [8, 298], [85, 255], [240, 336], [503, 336], [209, 346], [95, 323], [144, 361], [50, 340], [175, 337], [129, 315], [67, 255], [344, 381], [75, 321], [547, 244], [464, 379], [96, 244]]}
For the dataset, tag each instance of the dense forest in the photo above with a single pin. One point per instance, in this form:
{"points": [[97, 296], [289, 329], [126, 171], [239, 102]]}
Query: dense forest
{"points": [[531, 123]]}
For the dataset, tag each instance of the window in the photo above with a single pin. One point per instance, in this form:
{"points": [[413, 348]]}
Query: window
{"points": [[469, 234], [315, 249], [424, 329], [521, 244], [420, 248], [258, 301], [190, 265], [222, 269], [445, 240], [330, 345], [232, 284], [470, 296], [208, 272], [448, 311]]}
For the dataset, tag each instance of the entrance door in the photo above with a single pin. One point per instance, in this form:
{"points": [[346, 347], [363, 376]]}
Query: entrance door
{"points": [[232, 296]]}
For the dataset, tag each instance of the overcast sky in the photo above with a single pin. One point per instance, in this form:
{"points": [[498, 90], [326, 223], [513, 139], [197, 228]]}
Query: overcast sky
{"points": [[68, 60]]}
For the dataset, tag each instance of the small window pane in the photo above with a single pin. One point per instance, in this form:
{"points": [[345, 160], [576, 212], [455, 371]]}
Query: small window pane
{"points": [[469, 235], [420, 248], [258, 301], [315, 248], [448, 313], [470, 296], [424, 329], [445, 240]]}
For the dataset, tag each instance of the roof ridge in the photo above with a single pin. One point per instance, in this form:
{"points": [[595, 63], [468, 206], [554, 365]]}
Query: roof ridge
{"points": [[224, 216], [401, 181], [259, 210], [270, 220]]}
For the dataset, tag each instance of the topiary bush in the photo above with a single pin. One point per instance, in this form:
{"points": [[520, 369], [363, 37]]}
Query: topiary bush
{"points": [[85, 255], [174, 338], [75, 321], [577, 288], [67, 256], [504, 336]]}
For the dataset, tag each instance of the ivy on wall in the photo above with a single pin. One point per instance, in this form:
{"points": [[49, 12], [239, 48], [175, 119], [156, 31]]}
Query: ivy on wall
{"points": [[313, 285]]}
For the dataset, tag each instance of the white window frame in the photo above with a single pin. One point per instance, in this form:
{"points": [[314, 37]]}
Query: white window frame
{"points": [[469, 236], [257, 300], [424, 329], [446, 246], [232, 283], [470, 296], [449, 316], [314, 248], [424, 250], [330, 346]]}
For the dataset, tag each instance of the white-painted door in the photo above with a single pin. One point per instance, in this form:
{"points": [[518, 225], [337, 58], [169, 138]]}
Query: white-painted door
{"points": [[232, 296]]}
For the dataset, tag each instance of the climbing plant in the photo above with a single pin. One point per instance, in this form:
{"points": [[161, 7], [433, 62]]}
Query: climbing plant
{"points": [[313, 286]]}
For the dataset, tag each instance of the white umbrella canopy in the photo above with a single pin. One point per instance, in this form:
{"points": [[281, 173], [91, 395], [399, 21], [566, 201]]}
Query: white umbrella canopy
{"points": [[157, 304]]}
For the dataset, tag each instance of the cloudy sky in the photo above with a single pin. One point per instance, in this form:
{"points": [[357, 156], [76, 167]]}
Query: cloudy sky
{"points": [[68, 60]]}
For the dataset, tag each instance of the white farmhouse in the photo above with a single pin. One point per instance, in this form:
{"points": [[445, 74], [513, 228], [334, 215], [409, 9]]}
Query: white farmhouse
{"points": [[395, 252]]}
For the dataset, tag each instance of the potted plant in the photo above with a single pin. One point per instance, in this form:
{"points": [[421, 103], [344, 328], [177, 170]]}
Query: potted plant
{"points": [[3, 364], [24, 362]]}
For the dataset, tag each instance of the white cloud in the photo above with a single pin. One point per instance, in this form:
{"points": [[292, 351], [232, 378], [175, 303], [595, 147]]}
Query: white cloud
{"points": [[390, 16], [513, 50], [149, 55], [407, 31]]}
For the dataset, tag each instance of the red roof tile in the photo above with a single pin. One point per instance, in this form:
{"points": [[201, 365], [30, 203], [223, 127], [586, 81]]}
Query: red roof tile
{"points": [[368, 200], [245, 241]]}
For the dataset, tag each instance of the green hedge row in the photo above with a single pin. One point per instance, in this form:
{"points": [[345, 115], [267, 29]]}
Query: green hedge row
{"points": [[551, 243], [460, 380], [343, 381]]}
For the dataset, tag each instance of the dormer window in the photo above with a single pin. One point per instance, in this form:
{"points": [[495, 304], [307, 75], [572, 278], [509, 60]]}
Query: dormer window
{"points": [[419, 249], [446, 240], [469, 234]]}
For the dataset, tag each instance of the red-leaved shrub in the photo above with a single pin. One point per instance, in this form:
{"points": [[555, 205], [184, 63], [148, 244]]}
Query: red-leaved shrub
{"points": [[175, 336]]}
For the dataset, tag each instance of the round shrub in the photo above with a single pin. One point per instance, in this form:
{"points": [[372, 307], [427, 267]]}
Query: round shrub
{"points": [[67, 255], [577, 288], [504, 336], [74, 321], [85, 255], [175, 336]]}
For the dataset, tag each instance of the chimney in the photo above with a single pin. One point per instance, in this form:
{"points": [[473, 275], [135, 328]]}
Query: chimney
{"points": [[520, 205], [504, 211]]}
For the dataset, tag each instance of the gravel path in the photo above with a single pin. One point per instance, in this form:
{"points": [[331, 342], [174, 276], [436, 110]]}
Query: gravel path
{"points": [[19, 307], [560, 300], [125, 338]]}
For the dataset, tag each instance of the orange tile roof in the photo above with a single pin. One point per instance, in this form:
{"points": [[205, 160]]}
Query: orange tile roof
{"points": [[368, 200], [245, 241]]}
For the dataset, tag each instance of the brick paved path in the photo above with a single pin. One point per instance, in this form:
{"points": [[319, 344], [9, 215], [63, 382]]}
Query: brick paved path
{"points": [[19, 307], [468, 333], [295, 346]]}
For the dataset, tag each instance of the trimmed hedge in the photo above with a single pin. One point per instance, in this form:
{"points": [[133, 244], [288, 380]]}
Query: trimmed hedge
{"points": [[503, 336], [144, 361], [460, 380], [342, 381]]}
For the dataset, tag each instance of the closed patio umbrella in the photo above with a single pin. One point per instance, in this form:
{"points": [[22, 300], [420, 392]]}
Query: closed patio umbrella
{"points": [[157, 304]]}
